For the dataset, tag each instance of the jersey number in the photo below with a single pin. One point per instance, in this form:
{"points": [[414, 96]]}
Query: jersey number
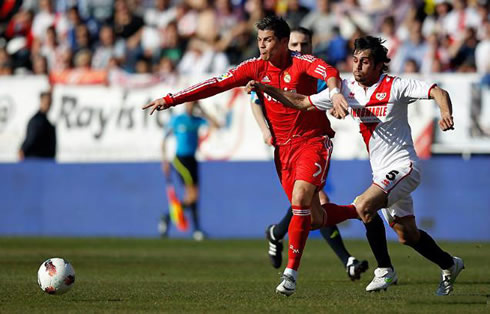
{"points": [[392, 175]]}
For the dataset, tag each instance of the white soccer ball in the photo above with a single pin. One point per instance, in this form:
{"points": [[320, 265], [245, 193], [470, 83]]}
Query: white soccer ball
{"points": [[56, 276]]}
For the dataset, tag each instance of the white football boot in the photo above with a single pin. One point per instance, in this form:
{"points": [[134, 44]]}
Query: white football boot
{"points": [[355, 268], [383, 278], [287, 286], [448, 276]]}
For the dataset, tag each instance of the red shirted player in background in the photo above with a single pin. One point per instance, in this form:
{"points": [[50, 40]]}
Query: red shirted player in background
{"points": [[301, 138]]}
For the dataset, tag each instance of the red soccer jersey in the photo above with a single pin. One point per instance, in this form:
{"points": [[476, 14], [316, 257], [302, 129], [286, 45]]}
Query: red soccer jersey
{"points": [[300, 75]]}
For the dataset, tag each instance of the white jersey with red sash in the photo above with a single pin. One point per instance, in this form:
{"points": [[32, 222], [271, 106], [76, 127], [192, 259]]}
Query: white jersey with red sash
{"points": [[381, 111]]}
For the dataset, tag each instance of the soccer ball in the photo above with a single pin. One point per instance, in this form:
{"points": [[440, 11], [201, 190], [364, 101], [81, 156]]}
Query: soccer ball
{"points": [[55, 276]]}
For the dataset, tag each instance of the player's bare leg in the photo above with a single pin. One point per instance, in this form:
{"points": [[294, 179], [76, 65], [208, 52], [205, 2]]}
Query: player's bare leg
{"points": [[299, 228], [409, 234], [369, 202]]}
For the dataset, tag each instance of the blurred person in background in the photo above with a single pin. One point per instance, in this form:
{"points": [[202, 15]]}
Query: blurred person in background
{"points": [[295, 13], [461, 17], [40, 140], [201, 58], [185, 127], [388, 33], [436, 23], [321, 22], [128, 27], [463, 52], [415, 48], [43, 19], [106, 48], [39, 65], [160, 14], [300, 40]]}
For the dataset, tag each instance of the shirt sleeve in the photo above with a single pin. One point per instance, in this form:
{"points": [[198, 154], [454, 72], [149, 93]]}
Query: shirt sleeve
{"points": [[321, 101], [320, 69], [238, 76], [411, 90]]}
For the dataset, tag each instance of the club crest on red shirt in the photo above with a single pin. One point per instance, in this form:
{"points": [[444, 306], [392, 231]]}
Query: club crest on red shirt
{"points": [[380, 96]]}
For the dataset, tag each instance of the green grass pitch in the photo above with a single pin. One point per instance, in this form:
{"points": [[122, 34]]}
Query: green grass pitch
{"points": [[228, 276]]}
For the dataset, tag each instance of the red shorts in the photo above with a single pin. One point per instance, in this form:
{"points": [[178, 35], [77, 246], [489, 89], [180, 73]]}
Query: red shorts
{"points": [[303, 159]]}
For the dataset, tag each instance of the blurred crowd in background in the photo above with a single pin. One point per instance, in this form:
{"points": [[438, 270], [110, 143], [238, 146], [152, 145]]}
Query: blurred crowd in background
{"points": [[106, 41]]}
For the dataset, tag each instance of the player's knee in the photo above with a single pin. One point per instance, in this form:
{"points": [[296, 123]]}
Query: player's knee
{"points": [[300, 198], [364, 207]]}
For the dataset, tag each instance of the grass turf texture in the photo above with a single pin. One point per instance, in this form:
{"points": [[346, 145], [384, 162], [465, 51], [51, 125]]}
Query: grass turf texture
{"points": [[153, 275]]}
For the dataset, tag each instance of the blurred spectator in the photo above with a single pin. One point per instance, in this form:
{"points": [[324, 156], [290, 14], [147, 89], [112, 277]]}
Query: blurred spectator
{"points": [[82, 39], [106, 48], [39, 65], [388, 33], [227, 16], [460, 18], [436, 23], [83, 59], [73, 21], [415, 48], [186, 20], [40, 141], [20, 26], [172, 44], [100, 10], [321, 22], [463, 52], [438, 59], [207, 21], [351, 17], [143, 66], [128, 26], [482, 52], [201, 58], [43, 19], [295, 13], [410, 66], [337, 49], [58, 56], [161, 14], [166, 71]]}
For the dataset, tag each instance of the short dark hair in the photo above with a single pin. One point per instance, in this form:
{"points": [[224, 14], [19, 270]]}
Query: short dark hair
{"points": [[276, 24], [378, 51], [303, 31]]}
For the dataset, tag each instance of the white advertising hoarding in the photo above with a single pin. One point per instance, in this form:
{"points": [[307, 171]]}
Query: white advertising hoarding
{"points": [[106, 123]]}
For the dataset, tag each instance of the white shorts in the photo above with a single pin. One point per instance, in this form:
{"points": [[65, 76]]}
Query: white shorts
{"points": [[398, 182]]}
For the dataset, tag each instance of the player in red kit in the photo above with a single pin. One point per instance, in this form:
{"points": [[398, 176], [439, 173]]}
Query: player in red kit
{"points": [[301, 138]]}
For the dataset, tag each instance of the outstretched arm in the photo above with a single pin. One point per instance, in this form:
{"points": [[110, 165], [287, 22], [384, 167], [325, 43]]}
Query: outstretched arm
{"points": [[238, 76], [289, 99], [443, 100]]}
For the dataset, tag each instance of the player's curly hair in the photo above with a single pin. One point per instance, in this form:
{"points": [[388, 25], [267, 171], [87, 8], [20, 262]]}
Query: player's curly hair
{"points": [[378, 51], [275, 23]]}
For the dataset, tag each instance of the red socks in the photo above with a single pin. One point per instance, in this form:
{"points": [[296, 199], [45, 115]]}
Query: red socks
{"points": [[298, 231], [337, 213]]}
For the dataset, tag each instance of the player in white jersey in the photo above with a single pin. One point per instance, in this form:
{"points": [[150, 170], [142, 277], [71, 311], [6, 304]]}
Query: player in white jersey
{"points": [[378, 102]]}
